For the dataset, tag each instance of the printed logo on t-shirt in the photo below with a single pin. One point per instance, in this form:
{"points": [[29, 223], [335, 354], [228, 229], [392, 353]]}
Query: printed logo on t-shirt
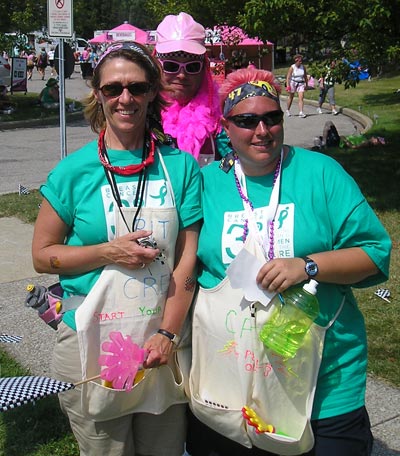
{"points": [[233, 228], [156, 195]]}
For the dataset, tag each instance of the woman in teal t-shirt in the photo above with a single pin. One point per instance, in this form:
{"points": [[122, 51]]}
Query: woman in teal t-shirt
{"points": [[118, 224], [307, 218]]}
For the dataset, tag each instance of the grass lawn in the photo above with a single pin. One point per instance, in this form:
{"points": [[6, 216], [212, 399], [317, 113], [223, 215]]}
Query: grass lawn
{"points": [[35, 429], [377, 171], [27, 107]]}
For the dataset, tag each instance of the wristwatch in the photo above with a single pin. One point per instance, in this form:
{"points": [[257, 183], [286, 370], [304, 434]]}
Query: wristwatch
{"points": [[174, 338], [311, 267]]}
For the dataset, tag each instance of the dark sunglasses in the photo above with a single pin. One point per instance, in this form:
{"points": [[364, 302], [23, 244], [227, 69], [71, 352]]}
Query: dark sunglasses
{"points": [[173, 67], [135, 88], [251, 121]]}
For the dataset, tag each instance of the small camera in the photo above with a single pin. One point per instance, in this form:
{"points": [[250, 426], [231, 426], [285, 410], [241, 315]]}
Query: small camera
{"points": [[147, 242]]}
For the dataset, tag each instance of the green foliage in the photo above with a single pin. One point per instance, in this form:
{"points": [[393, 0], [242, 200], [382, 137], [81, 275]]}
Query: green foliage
{"points": [[370, 28], [342, 72]]}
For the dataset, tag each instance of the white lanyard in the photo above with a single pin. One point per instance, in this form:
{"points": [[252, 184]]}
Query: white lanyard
{"points": [[271, 209]]}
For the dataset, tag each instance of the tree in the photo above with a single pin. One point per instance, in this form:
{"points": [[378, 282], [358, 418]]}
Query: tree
{"points": [[22, 16], [377, 38], [206, 12], [371, 29]]}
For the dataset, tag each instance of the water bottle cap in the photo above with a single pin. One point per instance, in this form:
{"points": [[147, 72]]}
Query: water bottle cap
{"points": [[311, 287]]}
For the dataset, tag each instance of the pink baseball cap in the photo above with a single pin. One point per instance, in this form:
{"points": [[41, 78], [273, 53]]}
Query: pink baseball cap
{"points": [[180, 33]]}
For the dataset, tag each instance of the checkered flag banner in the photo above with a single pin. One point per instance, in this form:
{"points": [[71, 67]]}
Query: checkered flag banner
{"points": [[17, 391], [23, 190], [383, 293], [10, 339]]}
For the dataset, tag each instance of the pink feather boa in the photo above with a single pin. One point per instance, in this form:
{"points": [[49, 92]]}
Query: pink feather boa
{"points": [[193, 123]]}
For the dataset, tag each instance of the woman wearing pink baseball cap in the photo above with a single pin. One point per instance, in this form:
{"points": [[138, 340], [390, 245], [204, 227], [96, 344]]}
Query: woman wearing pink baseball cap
{"points": [[193, 115]]}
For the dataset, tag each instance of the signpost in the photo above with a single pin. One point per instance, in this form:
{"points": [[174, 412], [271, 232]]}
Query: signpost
{"points": [[60, 25], [60, 16], [18, 75]]}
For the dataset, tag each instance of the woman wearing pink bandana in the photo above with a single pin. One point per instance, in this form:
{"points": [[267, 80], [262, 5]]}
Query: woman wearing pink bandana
{"points": [[192, 117]]}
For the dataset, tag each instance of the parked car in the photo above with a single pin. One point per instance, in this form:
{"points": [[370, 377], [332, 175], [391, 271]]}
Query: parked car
{"points": [[5, 72]]}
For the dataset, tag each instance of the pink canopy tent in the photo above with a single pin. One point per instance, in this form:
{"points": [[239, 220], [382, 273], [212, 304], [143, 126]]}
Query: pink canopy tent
{"points": [[123, 32], [99, 39], [254, 49], [128, 31]]}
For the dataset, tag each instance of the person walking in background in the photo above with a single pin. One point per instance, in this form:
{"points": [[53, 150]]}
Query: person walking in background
{"points": [[327, 87], [193, 114], [258, 213], [30, 63], [86, 66], [296, 82], [50, 55], [119, 221], [42, 62]]}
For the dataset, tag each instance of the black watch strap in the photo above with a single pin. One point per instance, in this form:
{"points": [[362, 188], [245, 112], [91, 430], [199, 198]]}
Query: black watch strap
{"points": [[174, 338]]}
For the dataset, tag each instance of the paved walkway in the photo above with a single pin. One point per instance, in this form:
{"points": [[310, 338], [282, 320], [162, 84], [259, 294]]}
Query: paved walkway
{"points": [[29, 156]]}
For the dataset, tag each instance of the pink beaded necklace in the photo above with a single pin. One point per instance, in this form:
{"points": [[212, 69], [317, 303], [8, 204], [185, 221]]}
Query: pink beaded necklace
{"points": [[247, 201]]}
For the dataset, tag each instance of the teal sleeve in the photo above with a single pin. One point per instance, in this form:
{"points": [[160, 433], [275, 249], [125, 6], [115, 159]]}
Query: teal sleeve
{"points": [[222, 143], [190, 208]]}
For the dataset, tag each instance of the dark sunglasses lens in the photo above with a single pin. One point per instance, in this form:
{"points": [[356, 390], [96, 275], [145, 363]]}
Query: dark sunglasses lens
{"points": [[135, 89], [139, 88], [273, 118], [193, 67], [112, 90], [171, 67], [252, 120]]}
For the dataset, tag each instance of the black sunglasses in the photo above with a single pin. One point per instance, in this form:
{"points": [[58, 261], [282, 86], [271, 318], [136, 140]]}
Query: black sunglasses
{"points": [[174, 67], [251, 121], [116, 88]]}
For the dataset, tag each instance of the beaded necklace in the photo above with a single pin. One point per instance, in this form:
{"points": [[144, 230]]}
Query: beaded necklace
{"points": [[246, 200]]}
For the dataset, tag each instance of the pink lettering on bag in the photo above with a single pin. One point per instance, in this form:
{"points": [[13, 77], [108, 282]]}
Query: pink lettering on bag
{"points": [[106, 316]]}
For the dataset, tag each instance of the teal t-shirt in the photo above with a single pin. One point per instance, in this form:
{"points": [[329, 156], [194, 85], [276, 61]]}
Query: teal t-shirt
{"points": [[321, 208], [78, 190]]}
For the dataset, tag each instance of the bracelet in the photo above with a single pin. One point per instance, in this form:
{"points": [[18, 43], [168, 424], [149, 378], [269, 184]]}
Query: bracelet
{"points": [[174, 338]]}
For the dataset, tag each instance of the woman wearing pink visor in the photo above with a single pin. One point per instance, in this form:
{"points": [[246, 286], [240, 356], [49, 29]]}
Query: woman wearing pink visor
{"points": [[192, 117]]}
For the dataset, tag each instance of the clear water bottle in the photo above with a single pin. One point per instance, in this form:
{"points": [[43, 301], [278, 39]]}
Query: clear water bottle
{"points": [[295, 311]]}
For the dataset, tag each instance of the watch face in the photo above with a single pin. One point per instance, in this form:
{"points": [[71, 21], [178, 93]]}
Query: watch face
{"points": [[311, 268]]}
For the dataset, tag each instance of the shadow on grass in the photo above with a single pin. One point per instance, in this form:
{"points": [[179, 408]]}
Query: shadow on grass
{"points": [[381, 99], [377, 171]]}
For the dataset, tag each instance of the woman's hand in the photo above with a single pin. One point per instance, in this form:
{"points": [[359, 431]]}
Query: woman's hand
{"points": [[159, 348], [126, 251], [281, 273], [51, 256], [343, 266]]}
